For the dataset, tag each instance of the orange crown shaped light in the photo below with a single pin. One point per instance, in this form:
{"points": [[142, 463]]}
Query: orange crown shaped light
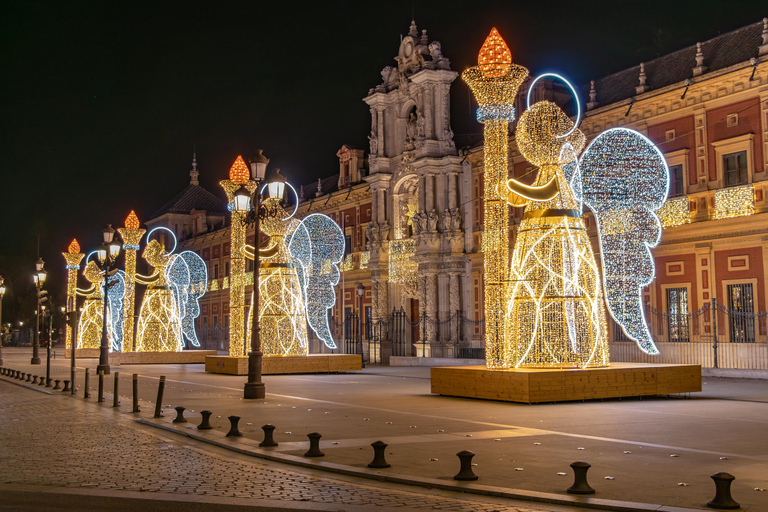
{"points": [[494, 59], [132, 221], [239, 172], [74, 247]]}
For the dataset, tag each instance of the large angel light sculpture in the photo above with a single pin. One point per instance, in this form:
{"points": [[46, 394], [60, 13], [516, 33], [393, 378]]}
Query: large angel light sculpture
{"points": [[170, 304], [555, 314], [296, 279], [90, 327]]}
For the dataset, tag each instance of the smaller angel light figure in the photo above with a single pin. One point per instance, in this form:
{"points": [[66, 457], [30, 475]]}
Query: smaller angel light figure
{"points": [[296, 279], [90, 326]]}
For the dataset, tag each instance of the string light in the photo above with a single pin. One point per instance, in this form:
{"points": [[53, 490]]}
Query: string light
{"points": [[734, 202], [555, 314], [89, 330], [131, 235], [494, 83], [675, 212], [402, 267], [316, 247], [348, 263], [73, 257], [365, 258], [625, 180], [187, 275], [159, 325], [238, 176]]}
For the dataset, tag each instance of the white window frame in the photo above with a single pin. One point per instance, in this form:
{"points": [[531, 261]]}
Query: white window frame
{"points": [[734, 145]]}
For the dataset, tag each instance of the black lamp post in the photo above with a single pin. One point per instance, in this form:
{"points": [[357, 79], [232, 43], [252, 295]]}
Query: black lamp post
{"points": [[39, 277], [360, 292], [254, 387], [106, 254]]}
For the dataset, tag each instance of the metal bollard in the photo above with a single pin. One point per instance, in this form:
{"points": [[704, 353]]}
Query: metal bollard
{"points": [[41, 381], [314, 445], [723, 499], [34, 379], [159, 404], [580, 485], [378, 455], [87, 392], [57, 381], [205, 424], [115, 396], [269, 439], [465, 473], [66, 387], [179, 415], [29, 377], [136, 393], [101, 386], [233, 430], [21, 376]]}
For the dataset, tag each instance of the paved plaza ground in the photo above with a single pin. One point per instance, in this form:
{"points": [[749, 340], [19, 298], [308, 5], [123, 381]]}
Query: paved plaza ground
{"points": [[657, 451]]}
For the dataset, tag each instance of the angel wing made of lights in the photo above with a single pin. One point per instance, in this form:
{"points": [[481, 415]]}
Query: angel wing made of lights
{"points": [[624, 180], [316, 247], [115, 294], [187, 275]]}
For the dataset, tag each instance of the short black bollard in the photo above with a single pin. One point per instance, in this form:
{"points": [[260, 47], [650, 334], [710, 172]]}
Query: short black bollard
{"points": [[18, 375], [87, 385], [66, 387], [378, 455], [580, 485], [101, 386], [34, 379], [29, 377], [233, 430], [314, 445], [21, 377], [57, 381], [115, 396], [41, 381], [465, 473], [48, 381], [159, 403], [179, 415], [269, 439], [723, 499], [136, 393], [205, 424]]}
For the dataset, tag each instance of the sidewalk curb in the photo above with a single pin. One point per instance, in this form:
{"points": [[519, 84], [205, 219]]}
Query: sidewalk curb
{"points": [[381, 476], [28, 387]]}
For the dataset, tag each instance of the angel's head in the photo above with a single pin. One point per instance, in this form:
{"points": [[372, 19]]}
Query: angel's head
{"points": [[92, 272], [155, 254], [546, 136]]}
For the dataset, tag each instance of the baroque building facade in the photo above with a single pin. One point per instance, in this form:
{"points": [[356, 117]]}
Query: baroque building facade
{"points": [[411, 207]]}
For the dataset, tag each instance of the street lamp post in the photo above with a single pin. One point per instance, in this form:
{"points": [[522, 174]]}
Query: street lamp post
{"points": [[39, 277], [360, 292], [47, 345], [106, 254], [254, 387], [2, 292]]}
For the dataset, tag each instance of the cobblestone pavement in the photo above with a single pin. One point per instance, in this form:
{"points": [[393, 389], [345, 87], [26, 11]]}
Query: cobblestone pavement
{"points": [[58, 442]]}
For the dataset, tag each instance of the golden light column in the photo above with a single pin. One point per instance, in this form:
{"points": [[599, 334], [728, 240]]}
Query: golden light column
{"points": [[494, 83], [239, 175], [73, 257], [131, 235]]}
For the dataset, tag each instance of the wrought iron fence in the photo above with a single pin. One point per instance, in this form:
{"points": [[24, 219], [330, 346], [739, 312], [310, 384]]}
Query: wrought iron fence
{"points": [[213, 338], [731, 338]]}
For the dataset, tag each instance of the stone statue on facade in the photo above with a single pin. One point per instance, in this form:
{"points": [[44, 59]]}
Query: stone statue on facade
{"points": [[432, 220]]}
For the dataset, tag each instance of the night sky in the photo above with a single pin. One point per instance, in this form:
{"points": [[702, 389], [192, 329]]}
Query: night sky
{"points": [[103, 103]]}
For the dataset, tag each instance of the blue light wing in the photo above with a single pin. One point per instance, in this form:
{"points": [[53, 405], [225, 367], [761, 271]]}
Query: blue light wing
{"points": [[187, 275], [624, 181], [316, 247], [115, 294]]}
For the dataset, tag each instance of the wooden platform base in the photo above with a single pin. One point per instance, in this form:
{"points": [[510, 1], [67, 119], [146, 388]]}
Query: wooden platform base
{"points": [[118, 358], [274, 365], [536, 385]]}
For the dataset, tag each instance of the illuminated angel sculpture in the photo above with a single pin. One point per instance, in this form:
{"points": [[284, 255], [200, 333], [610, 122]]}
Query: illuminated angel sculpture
{"points": [[555, 311], [545, 306], [296, 280], [170, 304], [89, 329]]}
